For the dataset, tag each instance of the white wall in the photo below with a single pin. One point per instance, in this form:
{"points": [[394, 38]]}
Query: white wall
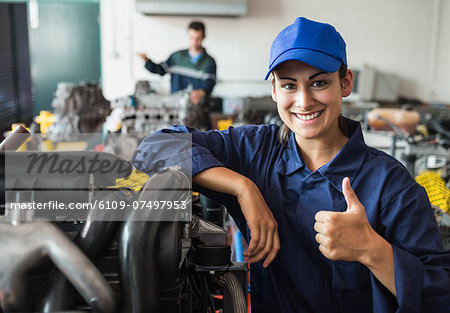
{"points": [[407, 37]]}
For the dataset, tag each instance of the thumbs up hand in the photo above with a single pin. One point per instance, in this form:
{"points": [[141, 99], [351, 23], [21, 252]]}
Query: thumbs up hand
{"points": [[345, 236]]}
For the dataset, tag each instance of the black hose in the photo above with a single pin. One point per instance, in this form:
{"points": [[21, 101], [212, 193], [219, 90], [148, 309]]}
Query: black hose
{"points": [[394, 127], [139, 243], [93, 239], [439, 128], [138, 266]]}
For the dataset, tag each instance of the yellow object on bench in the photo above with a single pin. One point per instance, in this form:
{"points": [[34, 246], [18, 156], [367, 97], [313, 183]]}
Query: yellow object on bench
{"points": [[434, 185]]}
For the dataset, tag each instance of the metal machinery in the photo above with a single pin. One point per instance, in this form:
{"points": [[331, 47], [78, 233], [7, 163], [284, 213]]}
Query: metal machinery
{"points": [[146, 112], [141, 261], [425, 152], [78, 108]]}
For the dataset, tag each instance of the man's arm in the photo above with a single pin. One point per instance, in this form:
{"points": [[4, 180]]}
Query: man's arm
{"points": [[153, 67], [206, 85], [197, 95]]}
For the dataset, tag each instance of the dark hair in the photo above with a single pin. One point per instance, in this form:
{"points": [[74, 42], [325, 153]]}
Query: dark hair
{"points": [[197, 25], [342, 71], [283, 134]]}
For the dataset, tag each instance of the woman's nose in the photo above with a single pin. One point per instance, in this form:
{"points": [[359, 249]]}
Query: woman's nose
{"points": [[304, 100]]}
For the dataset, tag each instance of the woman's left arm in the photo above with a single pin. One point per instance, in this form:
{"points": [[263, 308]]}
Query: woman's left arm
{"points": [[348, 236], [421, 265], [408, 260]]}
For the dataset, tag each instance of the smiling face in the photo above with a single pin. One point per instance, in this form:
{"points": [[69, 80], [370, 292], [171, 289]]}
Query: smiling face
{"points": [[309, 100]]}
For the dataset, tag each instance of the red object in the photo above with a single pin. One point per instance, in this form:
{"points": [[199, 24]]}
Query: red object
{"points": [[99, 148]]}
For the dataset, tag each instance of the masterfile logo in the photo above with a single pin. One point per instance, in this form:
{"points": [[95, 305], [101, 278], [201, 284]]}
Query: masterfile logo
{"points": [[56, 163]]}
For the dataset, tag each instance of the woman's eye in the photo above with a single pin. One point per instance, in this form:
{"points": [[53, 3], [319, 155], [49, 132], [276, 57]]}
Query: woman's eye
{"points": [[289, 86], [319, 83]]}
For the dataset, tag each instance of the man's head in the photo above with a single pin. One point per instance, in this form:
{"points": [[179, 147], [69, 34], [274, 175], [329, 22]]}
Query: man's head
{"points": [[196, 34]]}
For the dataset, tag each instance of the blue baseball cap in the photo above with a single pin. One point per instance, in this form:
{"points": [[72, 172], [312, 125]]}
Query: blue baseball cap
{"points": [[317, 44]]}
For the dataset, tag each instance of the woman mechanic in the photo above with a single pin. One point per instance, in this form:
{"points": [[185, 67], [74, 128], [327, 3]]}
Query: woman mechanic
{"points": [[333, 225]]}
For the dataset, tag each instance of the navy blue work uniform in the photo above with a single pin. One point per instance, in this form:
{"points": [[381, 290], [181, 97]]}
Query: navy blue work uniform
{"points": [[301, 279]]}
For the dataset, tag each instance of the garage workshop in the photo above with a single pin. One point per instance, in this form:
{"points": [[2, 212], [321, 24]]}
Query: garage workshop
{"points": [[234, 156]]}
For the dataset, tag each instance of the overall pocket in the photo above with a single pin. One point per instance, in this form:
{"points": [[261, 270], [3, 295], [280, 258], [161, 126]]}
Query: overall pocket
{"points": [[351, 287]]}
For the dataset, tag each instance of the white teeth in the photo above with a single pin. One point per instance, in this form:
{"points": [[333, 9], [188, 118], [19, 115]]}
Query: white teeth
{"points": [[308, 117]]}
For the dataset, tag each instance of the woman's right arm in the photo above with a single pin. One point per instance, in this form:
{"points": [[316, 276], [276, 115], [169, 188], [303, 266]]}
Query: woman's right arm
{"points": [[264, 240], [215, 160]]}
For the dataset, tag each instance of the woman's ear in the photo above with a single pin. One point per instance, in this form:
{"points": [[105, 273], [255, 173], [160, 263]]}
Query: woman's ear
{"points": [[347, 84], [274, 93]]}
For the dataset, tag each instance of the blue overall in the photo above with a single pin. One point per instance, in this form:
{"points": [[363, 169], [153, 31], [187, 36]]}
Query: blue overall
{"points": [[301, 279]]}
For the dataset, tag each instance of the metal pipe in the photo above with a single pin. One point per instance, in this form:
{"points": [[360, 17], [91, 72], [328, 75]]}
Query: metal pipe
{"points": [[15, 139], [93, 240], [37, 241]]}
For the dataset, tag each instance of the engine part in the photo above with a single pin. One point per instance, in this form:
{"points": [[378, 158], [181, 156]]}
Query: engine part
{"points": [[139, 244], [207, 232], [37, 241], [213, 256], [150, 265], [78, 108], [231, 282], [15, 139], [212, 211], [93, 239]]}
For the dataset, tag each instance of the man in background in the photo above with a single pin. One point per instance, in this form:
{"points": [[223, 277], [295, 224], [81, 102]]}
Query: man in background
{"points": [[190, 68]]}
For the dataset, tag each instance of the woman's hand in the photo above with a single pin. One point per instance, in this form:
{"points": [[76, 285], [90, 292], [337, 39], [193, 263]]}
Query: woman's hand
{"points": [[345, 236], [348, 236], [264, 240]]}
